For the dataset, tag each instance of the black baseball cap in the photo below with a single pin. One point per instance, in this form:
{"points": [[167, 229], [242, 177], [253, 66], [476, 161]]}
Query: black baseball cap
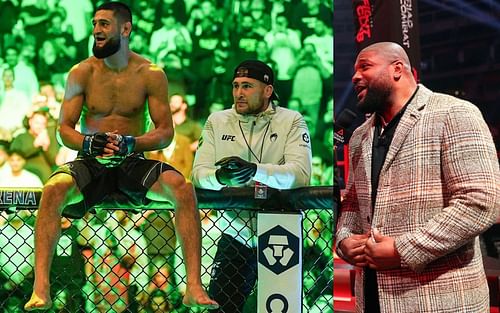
{"points": [[257, 70]]}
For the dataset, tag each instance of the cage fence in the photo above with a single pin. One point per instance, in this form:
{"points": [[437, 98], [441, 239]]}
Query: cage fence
{"points": [[116, 261]]}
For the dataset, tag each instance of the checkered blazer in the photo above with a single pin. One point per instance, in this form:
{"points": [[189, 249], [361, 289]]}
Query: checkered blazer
{"points": [[439, 188]]}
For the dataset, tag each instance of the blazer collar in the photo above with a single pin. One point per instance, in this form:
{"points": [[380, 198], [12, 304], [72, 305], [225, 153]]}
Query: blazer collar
{"points": [[406, 124]]}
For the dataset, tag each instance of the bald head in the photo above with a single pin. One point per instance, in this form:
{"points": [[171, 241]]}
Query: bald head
{"points": [[390, 52]]}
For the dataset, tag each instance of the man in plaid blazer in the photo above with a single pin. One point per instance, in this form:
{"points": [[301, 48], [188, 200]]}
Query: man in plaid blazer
{"points": [[424, 182]]}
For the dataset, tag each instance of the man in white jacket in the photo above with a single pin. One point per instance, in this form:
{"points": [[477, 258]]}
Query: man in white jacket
{"points": [[253, 142]]}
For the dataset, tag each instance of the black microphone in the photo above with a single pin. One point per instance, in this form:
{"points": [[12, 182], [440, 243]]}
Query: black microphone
{"points": [[341, 125]]}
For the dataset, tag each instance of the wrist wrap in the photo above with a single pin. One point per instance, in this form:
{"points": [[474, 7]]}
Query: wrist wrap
{"points": [[126, 145]]}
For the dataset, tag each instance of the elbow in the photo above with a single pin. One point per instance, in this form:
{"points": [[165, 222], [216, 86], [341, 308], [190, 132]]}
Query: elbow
{"points": [[302, 182], [59, 137], [62, 136], [304, 178], [293, 181], [167, 135]]}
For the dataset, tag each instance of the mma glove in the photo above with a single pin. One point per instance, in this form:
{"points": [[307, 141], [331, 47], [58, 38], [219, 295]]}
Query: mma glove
{"points": [[93, 145], [126, 145], [234, 171]]}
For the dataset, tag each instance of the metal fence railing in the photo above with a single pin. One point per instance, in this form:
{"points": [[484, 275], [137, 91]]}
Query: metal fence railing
{"points": [[117, 261]]}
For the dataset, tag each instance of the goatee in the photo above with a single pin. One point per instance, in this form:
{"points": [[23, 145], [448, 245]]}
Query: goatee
{"points": [[108, 49]]}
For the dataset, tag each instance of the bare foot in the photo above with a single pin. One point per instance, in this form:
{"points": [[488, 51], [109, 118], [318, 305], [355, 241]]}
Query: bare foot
{"points": [[38, 303], [197, 297]]}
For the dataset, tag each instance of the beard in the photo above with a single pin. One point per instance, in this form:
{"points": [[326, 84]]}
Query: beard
{"points": [[376, 98], [109, 48]]}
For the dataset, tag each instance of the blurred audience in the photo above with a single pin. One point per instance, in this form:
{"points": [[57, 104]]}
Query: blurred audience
{"points": [[77, 15], [38, 144], [163, 40], [195, 43], [183, 123], [158, 302], [18, 176], [4, 156], [284, 45], [26, 78], [244, 39], [180, 75], [14, 104], [308, 74], [307, 12]]}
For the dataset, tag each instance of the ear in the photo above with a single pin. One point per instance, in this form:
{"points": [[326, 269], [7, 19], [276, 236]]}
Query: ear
{"points": [[268, 91], [398, 69], [126, 29]]}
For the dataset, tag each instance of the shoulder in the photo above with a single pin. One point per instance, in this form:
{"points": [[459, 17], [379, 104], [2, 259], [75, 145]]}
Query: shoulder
{"points": [[80, 72], [86, 66], [22, 137], [451, 115], [192, 124], [78, 77], [452, 106], [289, 120], [284, 114], [219, 120], [223, 116], [146, 67], [451, 103], [32, 179], [362, 130]]}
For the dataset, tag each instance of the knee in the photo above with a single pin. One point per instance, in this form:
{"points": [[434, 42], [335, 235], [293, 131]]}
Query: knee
{"points": [[186, 189], [58, 188], [177, 183]]}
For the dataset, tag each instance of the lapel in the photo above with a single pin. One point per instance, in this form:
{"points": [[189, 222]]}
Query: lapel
{"points": [[366, 147], [406, 124], [366, 153]]}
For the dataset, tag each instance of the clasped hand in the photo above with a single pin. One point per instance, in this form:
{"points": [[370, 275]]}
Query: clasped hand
{"points": [[376, 251], [234, 171], [108, 144]]}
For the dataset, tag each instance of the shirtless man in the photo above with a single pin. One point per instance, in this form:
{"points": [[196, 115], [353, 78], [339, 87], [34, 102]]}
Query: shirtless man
{"points": [[107, 93]]}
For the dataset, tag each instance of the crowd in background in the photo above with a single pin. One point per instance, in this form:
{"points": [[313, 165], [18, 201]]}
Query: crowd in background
{"points": [[197, 43]]}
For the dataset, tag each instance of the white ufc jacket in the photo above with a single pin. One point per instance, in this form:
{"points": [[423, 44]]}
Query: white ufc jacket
{"points": [[277, 140]]}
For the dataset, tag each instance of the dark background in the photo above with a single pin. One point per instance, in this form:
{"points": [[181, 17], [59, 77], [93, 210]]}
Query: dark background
{"points": [[460, 54]]}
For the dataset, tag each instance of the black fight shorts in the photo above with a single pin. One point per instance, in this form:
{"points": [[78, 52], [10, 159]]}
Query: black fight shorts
{"points": [[124, 184]]}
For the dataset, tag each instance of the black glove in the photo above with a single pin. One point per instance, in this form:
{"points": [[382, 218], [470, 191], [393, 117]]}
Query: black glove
{"points": [[234, 171], [234, 162], [93, 145], [126, 145]]}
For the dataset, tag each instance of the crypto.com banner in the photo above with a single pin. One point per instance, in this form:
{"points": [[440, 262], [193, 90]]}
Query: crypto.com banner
{"points": [[383, 20], [279, 254]]}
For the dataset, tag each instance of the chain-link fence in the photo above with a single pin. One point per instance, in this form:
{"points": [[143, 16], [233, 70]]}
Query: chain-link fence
{"points": [[115, 261]]}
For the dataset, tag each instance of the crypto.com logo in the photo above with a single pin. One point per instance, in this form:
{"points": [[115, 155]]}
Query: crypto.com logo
{"points": [[278, 250]]}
